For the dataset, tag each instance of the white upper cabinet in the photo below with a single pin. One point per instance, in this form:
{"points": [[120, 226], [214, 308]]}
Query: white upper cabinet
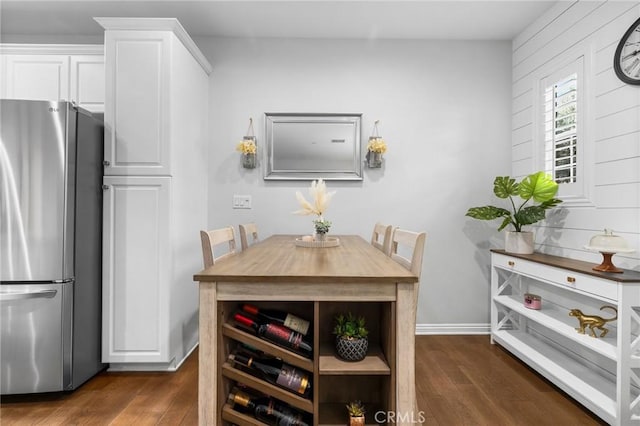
{"points": [[147, 60], [54, 73], [86, 76], [137, 84], [37, 77]]}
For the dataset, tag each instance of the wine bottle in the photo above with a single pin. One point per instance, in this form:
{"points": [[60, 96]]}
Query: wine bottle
{"points": [[280, 317], [267, 409], [251, 350], [277, 372], [276, 333]]}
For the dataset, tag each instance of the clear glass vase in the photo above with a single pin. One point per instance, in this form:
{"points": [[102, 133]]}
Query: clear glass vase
{"points": [[249, 161], [374, 160]]}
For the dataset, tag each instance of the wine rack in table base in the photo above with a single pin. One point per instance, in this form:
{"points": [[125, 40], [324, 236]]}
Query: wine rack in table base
{"points": [[335, 382]]}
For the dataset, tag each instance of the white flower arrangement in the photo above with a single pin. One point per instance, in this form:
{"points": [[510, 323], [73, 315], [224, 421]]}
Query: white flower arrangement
{"points": [[377, 145], [320, 197], [320, 201], [247, 146]]}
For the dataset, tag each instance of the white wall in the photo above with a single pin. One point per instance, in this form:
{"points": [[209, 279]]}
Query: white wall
{"points": [[444, 110], [613, 125]]}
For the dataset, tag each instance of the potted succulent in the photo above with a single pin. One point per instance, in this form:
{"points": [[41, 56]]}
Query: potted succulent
{"points": [[538, 187], [356, 413], [322, 228], [352, 340]]}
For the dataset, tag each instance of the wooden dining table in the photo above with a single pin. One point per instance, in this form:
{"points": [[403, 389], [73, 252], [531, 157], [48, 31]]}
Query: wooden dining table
{"points": [[276, 270]]}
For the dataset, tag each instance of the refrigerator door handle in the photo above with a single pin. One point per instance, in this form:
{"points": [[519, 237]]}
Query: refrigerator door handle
{"points": [[44, 294]]}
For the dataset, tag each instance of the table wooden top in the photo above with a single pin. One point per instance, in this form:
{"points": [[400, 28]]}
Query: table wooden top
{"points": [[278, 259]]}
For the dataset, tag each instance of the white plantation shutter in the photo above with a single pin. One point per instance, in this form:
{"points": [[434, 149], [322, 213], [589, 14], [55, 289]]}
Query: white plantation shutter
{"points": [[561, 129]]}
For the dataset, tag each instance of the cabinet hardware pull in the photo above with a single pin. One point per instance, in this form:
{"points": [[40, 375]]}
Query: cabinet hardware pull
{"points": [[511, 263], [571, 280], [105, 187], [106, 163]]}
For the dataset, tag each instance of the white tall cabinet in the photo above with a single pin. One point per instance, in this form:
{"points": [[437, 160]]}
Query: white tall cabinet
{"points": [[155, 186], [49, 72]]}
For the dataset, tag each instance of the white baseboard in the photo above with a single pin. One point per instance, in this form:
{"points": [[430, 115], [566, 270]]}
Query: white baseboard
{"points": [[433, 329]]}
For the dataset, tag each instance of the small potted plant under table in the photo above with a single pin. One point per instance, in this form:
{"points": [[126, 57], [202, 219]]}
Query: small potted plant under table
{"points": [[356, 413], [352, 340]]}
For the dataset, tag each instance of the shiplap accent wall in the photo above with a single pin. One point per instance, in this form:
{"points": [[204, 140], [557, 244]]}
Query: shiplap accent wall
{"points": [[613, 123]]}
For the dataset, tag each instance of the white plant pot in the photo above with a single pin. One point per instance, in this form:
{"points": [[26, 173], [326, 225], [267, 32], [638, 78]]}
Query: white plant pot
{"points": [[519, 242]]}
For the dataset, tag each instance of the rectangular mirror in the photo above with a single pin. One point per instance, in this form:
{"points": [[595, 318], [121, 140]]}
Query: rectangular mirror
{"points": [[312, 146]]}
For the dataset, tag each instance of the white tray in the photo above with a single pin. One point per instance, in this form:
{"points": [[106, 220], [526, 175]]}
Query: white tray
{"points": [[328, 242]]}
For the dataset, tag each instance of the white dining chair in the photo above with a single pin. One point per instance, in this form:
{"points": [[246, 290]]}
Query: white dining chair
{"points": [[248, 230], [381, 237], [217, 237], [407, 249]]}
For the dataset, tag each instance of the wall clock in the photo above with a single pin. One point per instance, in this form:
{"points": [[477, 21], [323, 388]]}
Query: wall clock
{"points": [[626, 60]]}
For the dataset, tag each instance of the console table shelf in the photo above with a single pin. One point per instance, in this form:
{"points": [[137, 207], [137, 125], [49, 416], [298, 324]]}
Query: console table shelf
{"points": [[555, 318], [579, 380], [596, 371]]}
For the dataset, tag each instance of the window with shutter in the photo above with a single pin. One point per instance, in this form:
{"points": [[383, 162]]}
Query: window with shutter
{"points": [[563, 141]]}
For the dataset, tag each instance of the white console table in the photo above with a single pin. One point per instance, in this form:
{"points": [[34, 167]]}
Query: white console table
{"points": [[603, 374]]}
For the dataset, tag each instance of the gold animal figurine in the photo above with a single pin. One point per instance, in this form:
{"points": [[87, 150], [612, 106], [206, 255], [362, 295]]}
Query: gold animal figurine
{"points": [[593, 321]]}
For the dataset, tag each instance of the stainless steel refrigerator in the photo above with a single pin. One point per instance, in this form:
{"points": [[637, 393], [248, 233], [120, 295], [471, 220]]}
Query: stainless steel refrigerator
{"points": [[50, 246]]}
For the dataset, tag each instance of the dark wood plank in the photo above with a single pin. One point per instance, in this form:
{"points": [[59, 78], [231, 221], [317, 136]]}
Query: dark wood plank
{"points": [[628, 275], [466, 380], [459, 380]]}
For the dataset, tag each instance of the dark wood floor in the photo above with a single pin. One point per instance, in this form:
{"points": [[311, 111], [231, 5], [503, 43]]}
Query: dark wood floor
{"points": [[461, 380]]}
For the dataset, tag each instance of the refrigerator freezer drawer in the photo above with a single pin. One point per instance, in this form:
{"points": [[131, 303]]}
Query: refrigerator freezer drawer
{"points": [[36, 338]]}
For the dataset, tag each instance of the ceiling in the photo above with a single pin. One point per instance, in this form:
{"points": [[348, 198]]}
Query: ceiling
{"points": [[362, 19]]}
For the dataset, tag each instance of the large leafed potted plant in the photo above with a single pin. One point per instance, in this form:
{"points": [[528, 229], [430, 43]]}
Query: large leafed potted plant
{"points": [[536, 188]]}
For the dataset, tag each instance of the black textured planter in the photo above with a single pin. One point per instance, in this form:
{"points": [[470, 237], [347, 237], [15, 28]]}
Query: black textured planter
{"points": [[352, 349]]}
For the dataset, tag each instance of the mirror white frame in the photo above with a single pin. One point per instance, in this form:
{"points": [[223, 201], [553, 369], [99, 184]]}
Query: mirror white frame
{"points": [[312, 146]]}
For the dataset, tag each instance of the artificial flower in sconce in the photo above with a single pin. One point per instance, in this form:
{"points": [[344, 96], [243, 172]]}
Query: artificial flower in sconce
{"points": [[320, 201], [248, 148], [375, 148]]}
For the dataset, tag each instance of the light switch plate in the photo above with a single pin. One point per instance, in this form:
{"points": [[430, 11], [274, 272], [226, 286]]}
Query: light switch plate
{"points": [[242, 201]]}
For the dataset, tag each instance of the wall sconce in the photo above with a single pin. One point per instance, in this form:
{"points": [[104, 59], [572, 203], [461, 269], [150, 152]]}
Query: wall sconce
{"points": [[248, 148], [375, 148]]}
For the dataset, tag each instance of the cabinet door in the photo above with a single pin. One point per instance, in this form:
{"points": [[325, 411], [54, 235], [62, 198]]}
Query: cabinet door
{"points": [[87, 81], [37, 77], [136, 105], [136, 269]]}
